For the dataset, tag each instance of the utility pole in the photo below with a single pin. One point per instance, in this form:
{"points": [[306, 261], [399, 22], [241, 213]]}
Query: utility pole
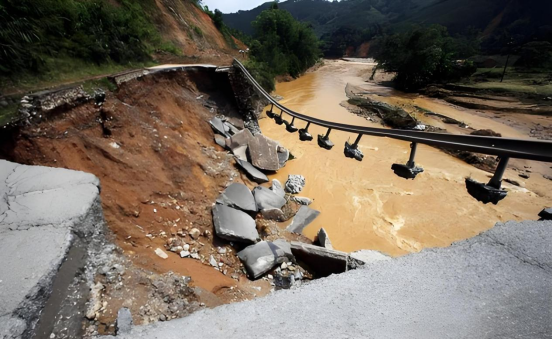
{"points": [[509, 44]]}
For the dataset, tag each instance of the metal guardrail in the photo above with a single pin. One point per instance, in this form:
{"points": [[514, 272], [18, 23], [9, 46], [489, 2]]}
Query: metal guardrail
{"points": [[501, 147]]}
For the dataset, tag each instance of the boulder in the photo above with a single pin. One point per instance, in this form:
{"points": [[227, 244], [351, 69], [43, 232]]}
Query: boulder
{"points": [[320, 260], [323, 239], [263, 153], [255, 175], [238, 196], [546, 214], [277, 188], [234, 225], [369, 256], [295, 183], [261, 258], [305, 216], [267, 199], [218, 126]]}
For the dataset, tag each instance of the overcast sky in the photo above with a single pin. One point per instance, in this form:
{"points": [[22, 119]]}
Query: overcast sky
{"points": [[232, 6]]}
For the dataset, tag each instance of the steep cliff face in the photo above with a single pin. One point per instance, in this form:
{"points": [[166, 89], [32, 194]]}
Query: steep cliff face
{"points": [[193, 33]]}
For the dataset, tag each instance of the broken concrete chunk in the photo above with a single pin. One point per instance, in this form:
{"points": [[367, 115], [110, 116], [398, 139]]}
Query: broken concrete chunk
{"points": [[305, 216], [324, 239], [240, 152], [230, 128], [369, 256], [263, 153], [238, 196], [295, 183], [277, 188], [275, 214], [234, 225], [238, 143], [255, 175], [283, 156], [320, 260], [220, 140], [267, 199], [218, 126], [286, 247], [546, 214], [261, 258], [124, 321]]}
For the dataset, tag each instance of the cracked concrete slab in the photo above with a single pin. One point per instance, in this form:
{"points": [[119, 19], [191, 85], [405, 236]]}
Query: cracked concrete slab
{"points": [[496, 285], [41, 210]]}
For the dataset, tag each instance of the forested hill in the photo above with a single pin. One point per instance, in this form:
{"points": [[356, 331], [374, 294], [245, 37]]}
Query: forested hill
{"points": [[519, 19]]}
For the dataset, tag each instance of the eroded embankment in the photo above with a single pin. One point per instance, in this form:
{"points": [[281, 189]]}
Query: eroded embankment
{"points": [[152, 148]]}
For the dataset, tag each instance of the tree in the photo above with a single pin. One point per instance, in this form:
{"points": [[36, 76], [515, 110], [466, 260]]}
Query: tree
{"points": [[421, 56]]}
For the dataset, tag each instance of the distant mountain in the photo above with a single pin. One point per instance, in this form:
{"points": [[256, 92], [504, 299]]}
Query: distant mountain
{"points": [[498, 20]]}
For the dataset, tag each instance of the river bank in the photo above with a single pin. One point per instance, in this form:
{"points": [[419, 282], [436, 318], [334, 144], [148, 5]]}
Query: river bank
{"points": [[364, 205]]}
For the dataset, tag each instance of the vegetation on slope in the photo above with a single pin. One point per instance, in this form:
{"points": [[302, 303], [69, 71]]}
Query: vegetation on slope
{"points": [[281, 45]]}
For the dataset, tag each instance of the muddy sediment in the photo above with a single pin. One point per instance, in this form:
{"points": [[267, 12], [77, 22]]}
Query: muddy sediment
{"points": [[364, 205]]}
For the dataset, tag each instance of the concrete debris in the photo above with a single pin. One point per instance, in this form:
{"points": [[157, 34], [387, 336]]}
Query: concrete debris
{"points": [[275, 214], [267, 199], [277, 188], [321, 260], [325, 142], [261, 258], [43, 211], [194, 233], [484, 193], [352, 151], [304, 135], [263, 153], [286, 247], [161, 253], [405, 171], [323, 239], [234, 225], [238, 143], [305, 216], [496, 284], [229, 128], [301, 200], [218, 127], [238, 196], [124, 321], [369, 256], [256, 175], [546, 214], [283, 156], [220, 140]]}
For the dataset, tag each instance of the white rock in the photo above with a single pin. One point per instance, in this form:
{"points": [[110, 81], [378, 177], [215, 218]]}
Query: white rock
{"points": [[184, 254], [161, 253]]}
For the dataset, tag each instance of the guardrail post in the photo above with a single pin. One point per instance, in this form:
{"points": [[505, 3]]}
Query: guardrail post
{"points": [[352, 151], [410, 170], [278, 118], [304, 134], [270, 113], [492, 191], [290, 127], [496, 180], [324, 140]]}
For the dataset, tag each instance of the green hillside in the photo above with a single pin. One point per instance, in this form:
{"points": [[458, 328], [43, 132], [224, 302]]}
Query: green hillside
{"points": [[498, 21]]}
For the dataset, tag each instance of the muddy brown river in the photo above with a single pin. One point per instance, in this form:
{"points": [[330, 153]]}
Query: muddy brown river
{"points": [[364, 205]]}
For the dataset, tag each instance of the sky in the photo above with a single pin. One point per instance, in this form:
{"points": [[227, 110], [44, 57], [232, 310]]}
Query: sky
{"points": [[232, 6]]}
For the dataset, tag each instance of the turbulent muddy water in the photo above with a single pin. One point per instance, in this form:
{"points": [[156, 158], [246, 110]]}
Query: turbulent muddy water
{"points": [[364, 205]]}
